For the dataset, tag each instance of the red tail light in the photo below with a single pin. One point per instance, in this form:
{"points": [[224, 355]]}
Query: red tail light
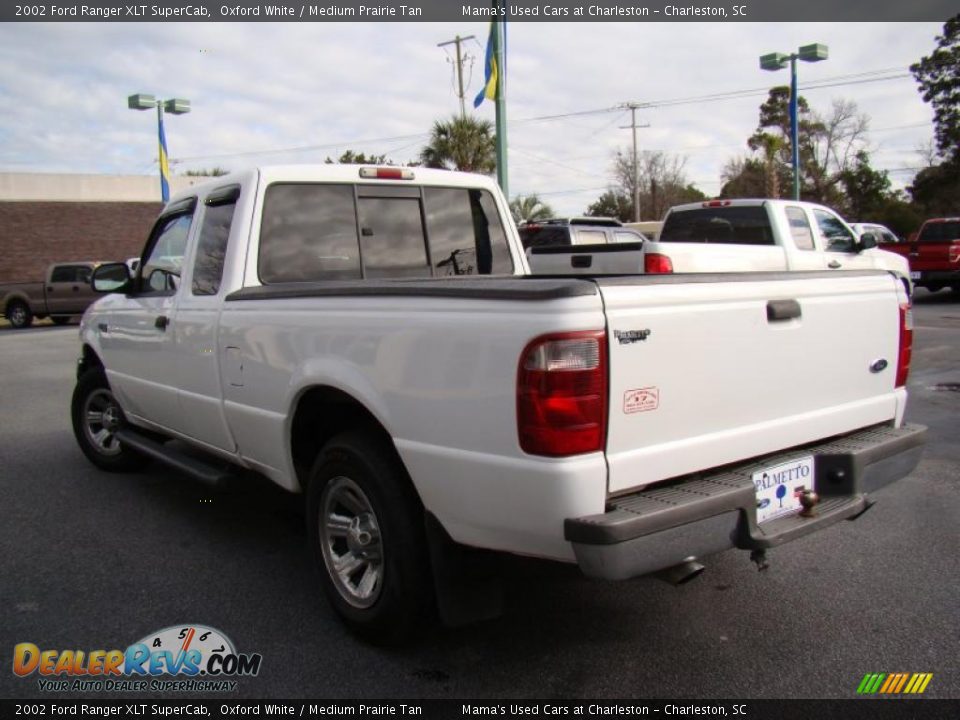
{"points": [[954, 252], [655, 263], [562, 394], [906, 345]]}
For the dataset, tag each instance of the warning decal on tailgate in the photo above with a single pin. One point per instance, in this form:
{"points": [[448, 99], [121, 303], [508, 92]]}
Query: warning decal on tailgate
{"points": [[641, 400]]}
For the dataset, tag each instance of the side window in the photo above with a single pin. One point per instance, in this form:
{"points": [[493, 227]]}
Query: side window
{"points": [[838, 237], [622, 236], [212, 245], [800, 228], [455, 250], [161, 269], [308, 232], [391, 237], [64, 274], [532, 235], [84, 274]]}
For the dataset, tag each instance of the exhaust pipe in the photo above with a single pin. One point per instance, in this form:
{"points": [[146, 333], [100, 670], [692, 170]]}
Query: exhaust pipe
{"points": [[682, 573]]}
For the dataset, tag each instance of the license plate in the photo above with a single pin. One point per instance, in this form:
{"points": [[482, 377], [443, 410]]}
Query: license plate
{"points": [[779, 488], [914, 275]]}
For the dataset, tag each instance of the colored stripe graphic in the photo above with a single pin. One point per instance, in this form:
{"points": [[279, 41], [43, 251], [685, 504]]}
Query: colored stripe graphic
{"points": [[894, 683]]}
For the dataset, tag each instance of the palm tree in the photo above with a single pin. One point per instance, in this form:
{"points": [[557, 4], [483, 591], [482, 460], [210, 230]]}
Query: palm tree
{"points": [[529, 208], [461, 144]]}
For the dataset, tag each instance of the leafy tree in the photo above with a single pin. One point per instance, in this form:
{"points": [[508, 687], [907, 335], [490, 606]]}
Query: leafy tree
{"points": [[527, 208], [829, 146], [746, 178], [349, 157], [613, 204], [662, 183], [771, 139], [867, 190], [935, 190], [463, 143], [838, 147], [939, 77], [898, 215]]}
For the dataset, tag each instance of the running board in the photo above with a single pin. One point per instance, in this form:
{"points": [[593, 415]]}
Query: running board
{"points": [[197, 469]]}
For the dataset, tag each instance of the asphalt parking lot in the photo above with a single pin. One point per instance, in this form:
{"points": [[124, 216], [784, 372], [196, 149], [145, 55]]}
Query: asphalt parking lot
{"points": [[94, 560]]}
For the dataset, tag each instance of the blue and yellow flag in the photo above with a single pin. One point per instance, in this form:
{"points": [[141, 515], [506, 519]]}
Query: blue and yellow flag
{"points": [[491, 70], [164, 164]]}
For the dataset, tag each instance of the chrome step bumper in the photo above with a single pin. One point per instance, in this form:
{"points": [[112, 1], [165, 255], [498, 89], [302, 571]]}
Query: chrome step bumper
{"points": [[662, 526]]}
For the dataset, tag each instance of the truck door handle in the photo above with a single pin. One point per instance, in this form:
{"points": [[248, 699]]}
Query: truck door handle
{"points": [[76, 288], [50, 288], [778, 310], [581, 261], [161, 322], [833, 264]]}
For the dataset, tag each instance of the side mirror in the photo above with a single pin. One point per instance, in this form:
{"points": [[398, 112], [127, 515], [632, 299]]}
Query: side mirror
{"points": [[110, 278], [867, 241]]}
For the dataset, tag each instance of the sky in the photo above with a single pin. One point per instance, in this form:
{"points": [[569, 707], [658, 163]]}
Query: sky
{"points": [[266, 93]]}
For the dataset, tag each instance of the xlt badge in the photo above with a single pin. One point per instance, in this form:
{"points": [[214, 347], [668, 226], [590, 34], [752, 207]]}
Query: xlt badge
{"points": [[631, 336]]}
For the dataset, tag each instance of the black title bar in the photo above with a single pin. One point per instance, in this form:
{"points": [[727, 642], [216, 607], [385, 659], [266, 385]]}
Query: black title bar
{"points": [[859, 709], [462, 10]]}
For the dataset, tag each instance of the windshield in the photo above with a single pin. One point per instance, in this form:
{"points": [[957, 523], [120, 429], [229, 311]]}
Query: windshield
{"points": [[940, 231]]}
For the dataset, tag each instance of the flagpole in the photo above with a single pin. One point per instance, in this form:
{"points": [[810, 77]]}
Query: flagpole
{"points": [[162, 156], [500, 51]]}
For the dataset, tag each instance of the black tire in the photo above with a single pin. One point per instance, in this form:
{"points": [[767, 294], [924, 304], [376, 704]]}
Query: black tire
{"points": [[19, 315], [359, 481], [61, 319], [96, 415]]}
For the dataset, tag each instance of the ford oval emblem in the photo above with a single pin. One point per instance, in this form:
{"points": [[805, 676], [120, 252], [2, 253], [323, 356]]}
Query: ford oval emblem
{"points": [[763, 503], [878, 365]]}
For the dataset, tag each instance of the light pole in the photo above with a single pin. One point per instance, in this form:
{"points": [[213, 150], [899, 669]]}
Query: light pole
{"points": [[174, 106], [778, 61]]}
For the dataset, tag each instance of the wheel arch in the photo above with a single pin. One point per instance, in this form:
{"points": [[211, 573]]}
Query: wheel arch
{"points": [[321, 412], [88, 359], [12, 297]]}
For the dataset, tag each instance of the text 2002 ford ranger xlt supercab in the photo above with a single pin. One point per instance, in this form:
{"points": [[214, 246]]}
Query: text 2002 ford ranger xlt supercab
{"points": [[368, 336]]}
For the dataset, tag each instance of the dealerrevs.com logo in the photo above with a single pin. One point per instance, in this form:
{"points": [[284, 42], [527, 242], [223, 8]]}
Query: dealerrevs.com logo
{"points": [[197, 658]]}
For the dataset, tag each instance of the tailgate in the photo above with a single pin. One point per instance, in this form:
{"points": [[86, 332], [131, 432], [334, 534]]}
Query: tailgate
{"points": [[936, 256], [707, 370], [704, 257]]}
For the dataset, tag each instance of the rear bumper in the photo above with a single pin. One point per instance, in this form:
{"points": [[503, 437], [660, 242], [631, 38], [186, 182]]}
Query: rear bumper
{"points": [[660, 527]]}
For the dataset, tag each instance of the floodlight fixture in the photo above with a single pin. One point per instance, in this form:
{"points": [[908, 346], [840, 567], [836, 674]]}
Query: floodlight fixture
{"points": [[814, 53], [778, 61], [177, 106], [774, 61], [141, 102]]}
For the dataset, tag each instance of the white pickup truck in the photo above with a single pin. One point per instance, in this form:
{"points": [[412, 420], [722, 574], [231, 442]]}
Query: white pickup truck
{"points": [[370, 337], [752, 235], [733, 236]]}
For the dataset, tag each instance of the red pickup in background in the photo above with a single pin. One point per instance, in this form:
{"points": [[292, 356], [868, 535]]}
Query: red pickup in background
{"points": [[933, 254]]}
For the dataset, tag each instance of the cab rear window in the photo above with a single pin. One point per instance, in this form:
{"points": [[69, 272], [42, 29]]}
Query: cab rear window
{"points": [[313, 232], [721, 225]]}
